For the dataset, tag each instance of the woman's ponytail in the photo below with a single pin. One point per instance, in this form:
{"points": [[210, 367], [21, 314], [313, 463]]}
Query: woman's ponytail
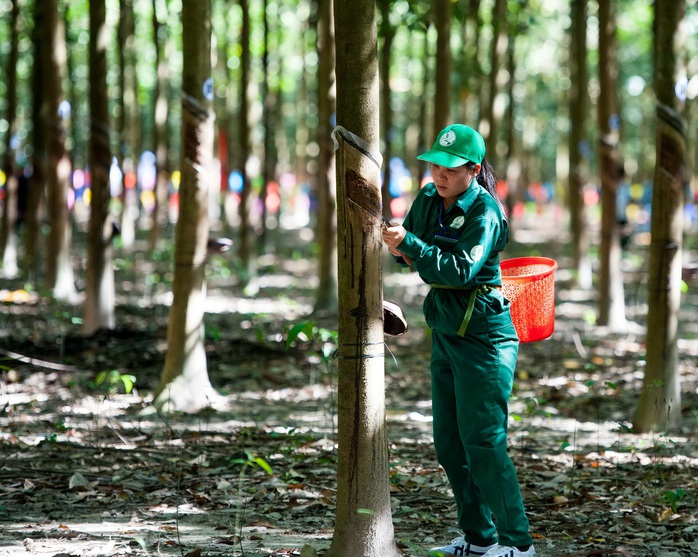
{"points": [[487, 179]]}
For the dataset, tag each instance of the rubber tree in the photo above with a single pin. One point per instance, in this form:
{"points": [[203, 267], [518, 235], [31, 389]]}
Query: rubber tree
{"points": [[128, 122], [99, 296], [184, 385], [363, 523], [326, 296], [8, 238], [611, 291], [59, 273], [578, 108], [493, 110], [442, 77], [659, 407], [160, 110]]}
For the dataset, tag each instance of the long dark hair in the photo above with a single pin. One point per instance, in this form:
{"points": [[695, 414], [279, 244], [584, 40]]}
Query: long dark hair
{"points": [[488, 180]]}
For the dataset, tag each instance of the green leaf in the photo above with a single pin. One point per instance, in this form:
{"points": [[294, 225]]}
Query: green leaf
{"points": [[128, 381], [263, 464], [305, 327]]}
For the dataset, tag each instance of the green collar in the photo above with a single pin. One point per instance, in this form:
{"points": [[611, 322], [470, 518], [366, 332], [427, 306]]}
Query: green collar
{"points": [[464, 200]]}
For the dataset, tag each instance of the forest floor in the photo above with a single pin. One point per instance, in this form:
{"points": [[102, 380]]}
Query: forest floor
{"points": [[89, 470]]}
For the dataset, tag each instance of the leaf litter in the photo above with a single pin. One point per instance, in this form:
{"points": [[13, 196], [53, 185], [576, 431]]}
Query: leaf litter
{"points": [[88, 469]]}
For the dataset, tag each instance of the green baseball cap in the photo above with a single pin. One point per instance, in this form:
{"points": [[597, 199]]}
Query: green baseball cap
{"points": [[456, 145]]}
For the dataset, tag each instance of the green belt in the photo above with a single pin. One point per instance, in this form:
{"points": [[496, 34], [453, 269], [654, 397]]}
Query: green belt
{"points": [[482, 289]]}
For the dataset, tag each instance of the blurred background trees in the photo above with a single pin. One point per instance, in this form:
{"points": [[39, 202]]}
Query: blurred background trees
{"points": [[564, 91]]}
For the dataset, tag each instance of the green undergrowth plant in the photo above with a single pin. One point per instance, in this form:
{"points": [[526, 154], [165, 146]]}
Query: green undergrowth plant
{"points": [[672, 498], [247, 461], [323, 343], [110, 382]]}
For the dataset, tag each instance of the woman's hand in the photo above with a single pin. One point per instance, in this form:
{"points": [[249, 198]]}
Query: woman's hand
{"points": [[393, 237]]}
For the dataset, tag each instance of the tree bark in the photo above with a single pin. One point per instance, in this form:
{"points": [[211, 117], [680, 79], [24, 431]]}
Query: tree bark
{"points": [[363, 524], [37, 186], [129, 128], [100, 297], [611, 291], [659, 407], [246, 233], [493, 109], [326, 299], [8, 238], [160, 135], [579, 102], [442, 79], [387, 32], [184, 385], [60, 270]]}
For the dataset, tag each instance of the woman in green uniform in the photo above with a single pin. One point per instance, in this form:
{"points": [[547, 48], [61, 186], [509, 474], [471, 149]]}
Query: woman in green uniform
{"points": [[452, 237]]}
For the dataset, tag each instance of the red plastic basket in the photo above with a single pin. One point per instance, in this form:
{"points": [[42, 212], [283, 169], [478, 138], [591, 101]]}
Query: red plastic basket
{"points": [[529, 284]]}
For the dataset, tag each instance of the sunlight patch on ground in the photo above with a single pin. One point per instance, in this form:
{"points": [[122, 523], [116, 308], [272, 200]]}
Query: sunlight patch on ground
{"points": [[256, 306]]}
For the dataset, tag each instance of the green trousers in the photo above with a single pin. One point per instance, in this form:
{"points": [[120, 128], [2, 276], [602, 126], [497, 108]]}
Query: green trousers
{"points": [[472, 378]]}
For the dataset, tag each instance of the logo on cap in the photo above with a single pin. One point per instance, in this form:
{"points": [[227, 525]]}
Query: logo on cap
{"points": [[448, 139]]}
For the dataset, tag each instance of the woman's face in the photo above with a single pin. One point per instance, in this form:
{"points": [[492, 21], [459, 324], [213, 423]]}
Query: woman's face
{"points": [[451, 182]]}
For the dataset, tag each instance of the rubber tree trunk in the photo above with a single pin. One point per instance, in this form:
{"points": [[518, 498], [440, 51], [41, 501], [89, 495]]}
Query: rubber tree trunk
{"points": [[387, 33], [8, 238], [99, 297], [247, 238], [442, 79], [59, 277], [659, 407], [493, 110], [363, 524], [579, 102], [326, 297], [128, 124], [184, 385], [160, 135], [611, 291], [37, 186]]}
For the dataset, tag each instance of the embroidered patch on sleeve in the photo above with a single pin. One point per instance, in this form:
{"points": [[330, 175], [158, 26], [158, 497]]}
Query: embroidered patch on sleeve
{"points": [[476, 253]]}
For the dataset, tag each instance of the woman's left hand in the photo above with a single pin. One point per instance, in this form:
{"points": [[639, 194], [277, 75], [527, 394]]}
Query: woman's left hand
{"points": [[393, 235]]}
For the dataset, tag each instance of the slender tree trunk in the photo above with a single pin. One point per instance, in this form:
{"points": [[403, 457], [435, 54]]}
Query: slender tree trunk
{"points": [[471, 71], [99, 301], [160, 135], [267, 172], [8, 238], [60, 271], [424, 137], [579, 102], [75, 132], [247, 233], [184, 385], [442, 79], [513, 162], [363, 525], [37, 185], [388, 34], [493, 111], [611, 292], [327, 218], [659, 407], [302, 134], [128, 122]]}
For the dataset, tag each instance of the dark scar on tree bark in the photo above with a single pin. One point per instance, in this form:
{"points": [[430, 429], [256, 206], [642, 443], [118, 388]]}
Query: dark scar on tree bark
{"points": [[361, 192]]}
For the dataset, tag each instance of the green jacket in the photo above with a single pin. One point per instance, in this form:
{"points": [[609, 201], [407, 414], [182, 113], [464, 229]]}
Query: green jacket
{"points": [[457, 250]]}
